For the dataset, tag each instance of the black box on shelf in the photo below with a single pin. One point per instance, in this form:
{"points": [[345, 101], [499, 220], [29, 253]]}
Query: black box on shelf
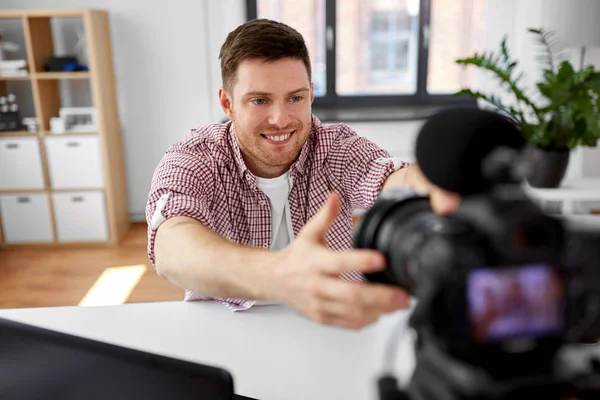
{"points": [[10, 121]]}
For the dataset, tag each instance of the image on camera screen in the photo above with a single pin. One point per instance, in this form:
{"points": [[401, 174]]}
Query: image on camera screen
{"points": [[511, 302]]}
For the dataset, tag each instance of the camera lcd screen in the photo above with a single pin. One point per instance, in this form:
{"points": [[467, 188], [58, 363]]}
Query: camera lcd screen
{"points": [[511, 302]]}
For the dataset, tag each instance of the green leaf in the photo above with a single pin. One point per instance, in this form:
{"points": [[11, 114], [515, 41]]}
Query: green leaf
{"points": [[569, 112], [511, 111], [544, 38], [487, 62], [566, 73]]}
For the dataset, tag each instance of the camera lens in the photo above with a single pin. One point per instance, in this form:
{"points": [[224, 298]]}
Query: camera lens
{"points": [[414, 239]]}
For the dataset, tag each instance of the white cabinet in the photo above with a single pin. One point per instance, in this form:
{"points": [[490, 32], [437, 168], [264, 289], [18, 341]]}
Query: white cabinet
{"points": [[26, 218], [20, 164], [74, 162], [80, 216]]}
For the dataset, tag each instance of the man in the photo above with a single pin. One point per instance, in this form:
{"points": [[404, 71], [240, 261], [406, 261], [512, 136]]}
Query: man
{"points": [[260, 208]]}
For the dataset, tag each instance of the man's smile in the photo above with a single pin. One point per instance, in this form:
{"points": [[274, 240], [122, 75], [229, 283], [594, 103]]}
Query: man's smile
{"points": [[278, 137]]}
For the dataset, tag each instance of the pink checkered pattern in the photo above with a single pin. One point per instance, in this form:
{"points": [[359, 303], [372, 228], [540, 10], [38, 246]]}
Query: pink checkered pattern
{"points": [[206, 179]]}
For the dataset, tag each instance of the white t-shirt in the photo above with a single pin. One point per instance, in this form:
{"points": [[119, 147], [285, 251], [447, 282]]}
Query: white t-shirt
{"points": [[277, 190]]}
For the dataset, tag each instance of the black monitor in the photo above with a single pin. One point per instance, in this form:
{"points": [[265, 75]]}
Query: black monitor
{"points": [[38, 363]]}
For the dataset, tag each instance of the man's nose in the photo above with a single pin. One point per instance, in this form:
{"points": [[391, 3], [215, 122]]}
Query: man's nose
{"points": [[279, 116]]}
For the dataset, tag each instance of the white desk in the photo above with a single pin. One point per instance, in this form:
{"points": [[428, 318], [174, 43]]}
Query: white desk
{"points": [[271, 352], [569, 194]]}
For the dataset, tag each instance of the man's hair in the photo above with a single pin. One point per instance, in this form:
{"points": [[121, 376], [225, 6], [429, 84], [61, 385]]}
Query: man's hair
{"points": [[260, 39]]}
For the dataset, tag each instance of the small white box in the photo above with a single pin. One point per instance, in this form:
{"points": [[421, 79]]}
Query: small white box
{"points": [[74, 162], [57, 125], [20, 164], [26, 218], [80, 216]]}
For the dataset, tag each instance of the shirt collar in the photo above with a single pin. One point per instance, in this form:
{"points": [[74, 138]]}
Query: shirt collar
{"points": [[237, 153], [298, 167]]}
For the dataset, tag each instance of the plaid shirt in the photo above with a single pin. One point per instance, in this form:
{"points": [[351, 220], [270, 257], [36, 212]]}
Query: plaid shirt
{"points": [[204, 177]]}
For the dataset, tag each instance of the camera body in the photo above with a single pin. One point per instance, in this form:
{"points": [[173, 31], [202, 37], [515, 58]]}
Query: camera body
{"points": [[501, 287]]}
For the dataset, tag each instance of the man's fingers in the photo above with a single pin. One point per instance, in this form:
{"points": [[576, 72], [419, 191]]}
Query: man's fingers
{"points": [[359, 296], [318, 225], [352, 261], [444, 203]]}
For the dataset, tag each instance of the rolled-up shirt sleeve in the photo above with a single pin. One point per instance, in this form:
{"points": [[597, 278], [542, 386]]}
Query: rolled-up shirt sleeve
{"points": [[363, 166], [181, 186]]}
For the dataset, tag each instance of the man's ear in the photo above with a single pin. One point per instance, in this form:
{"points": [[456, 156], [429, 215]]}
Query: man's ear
{"points": [[312, 92], [226, 103]]}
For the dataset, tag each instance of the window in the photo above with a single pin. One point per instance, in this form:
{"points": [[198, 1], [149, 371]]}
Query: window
{"points": [[392, 54], [383, 52]]}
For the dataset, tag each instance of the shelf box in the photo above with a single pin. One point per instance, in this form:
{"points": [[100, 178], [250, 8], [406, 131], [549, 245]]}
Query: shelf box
{"points": [[80, 216], [21, 164], [74, 161], [26, 218]]}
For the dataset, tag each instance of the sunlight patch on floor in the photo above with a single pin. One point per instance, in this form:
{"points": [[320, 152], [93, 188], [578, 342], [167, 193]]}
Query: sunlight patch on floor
{"points": [[113, 286]]}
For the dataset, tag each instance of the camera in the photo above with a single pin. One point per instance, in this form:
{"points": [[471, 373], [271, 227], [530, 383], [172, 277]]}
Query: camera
{"points": [[503, 290]]}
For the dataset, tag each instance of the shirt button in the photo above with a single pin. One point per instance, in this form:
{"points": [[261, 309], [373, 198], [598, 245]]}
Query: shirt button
{"points": [[262, 203], [266, 245]]}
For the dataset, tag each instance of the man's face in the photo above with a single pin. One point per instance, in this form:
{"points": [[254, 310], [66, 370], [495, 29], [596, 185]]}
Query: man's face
{"points": [[271, 109]]}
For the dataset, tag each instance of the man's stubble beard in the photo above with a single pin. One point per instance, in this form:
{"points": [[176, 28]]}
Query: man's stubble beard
{"points": [[250, 144]]}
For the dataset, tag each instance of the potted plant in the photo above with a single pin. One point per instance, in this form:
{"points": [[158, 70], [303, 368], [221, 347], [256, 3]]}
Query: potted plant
{"points": [[565, 113]]}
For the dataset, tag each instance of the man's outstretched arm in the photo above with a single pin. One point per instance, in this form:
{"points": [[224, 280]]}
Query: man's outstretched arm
{"points": [[194, 257], [304, 275]]}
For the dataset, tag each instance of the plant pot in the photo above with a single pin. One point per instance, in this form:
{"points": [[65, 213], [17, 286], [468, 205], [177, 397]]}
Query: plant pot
{"points": [[547, 168]]}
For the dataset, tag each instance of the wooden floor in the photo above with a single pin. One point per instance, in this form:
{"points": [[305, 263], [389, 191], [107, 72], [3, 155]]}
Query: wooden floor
{"points": [[47, 277]]}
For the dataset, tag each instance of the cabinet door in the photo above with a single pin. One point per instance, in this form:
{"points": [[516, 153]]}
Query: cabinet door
{"points": [[80, 216], [74, 162], [26, 218], [20, 164]]}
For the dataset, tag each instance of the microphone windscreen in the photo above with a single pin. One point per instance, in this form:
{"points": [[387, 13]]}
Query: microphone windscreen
{"points": [[453, 144]]}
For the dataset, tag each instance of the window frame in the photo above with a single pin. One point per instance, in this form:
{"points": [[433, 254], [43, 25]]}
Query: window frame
{"points": [[332, 100]]}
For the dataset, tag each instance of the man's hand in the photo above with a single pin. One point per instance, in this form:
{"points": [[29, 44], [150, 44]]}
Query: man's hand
{"points": [[307, 278], [442, 202]]}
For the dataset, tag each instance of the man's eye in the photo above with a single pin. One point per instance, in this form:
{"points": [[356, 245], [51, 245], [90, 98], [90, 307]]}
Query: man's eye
{"points": [[296, 99], [259, 102]]}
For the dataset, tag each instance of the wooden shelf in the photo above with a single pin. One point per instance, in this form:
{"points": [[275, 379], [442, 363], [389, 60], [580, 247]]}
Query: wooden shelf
{"points": [[54, 245], [15, 78], [50, 134], [76, 190], [18, 134], [23, 191], [66, 13], [50, 190], [38, 27], [61, 75]]}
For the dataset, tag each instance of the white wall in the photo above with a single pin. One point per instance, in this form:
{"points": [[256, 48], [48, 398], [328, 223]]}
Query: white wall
{"points": [[168, 74], [398, 138], [514, 17], [161, 71], [225, 16]]}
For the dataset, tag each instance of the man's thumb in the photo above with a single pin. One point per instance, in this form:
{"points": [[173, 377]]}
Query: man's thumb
{"points": [[318, 225]]}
